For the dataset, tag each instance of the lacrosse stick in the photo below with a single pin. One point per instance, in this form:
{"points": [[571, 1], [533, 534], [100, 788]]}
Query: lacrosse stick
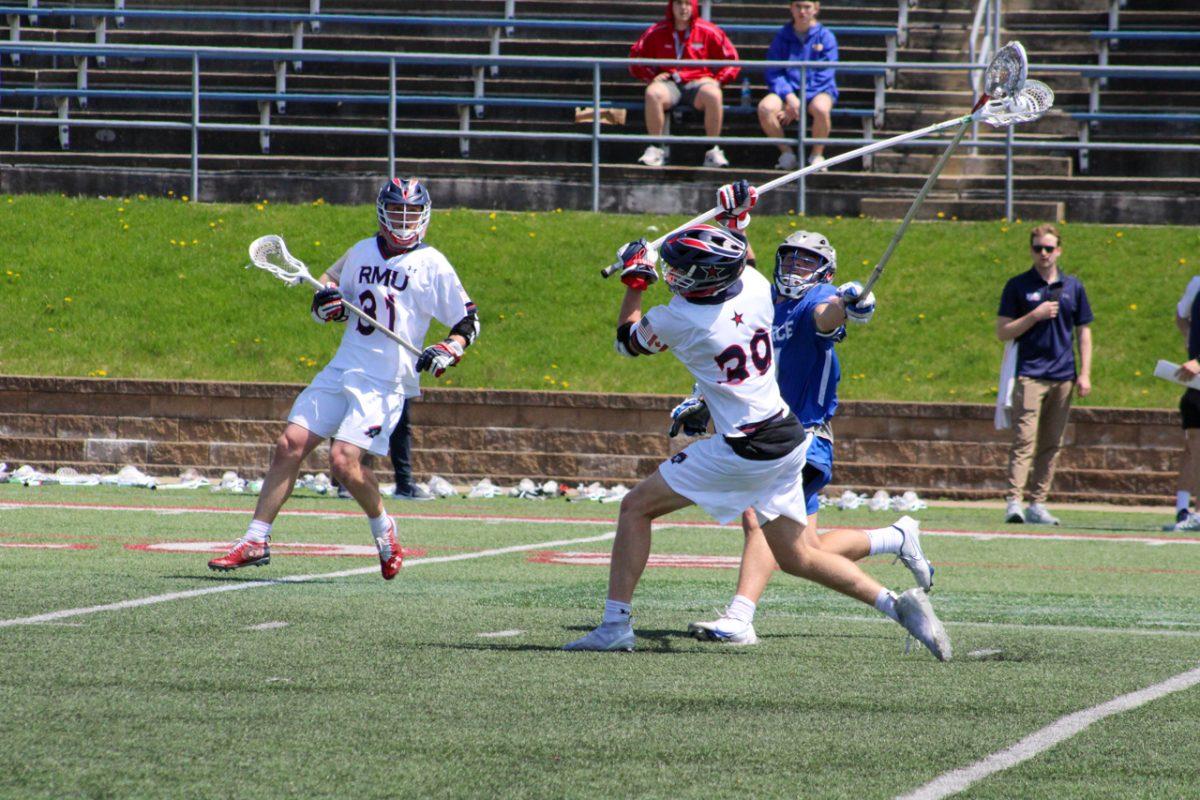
{"points": [[1009, 99], [271, 254]]}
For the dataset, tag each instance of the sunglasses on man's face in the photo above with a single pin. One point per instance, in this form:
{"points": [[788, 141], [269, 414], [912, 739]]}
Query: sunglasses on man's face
{"points": [[1043, 248]]}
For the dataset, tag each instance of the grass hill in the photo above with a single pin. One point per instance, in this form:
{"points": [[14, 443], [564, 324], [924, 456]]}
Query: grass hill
{"points": [[143, 287]]}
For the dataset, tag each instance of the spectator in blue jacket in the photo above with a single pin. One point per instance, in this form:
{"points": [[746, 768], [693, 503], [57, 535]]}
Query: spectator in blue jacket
{"points": [[804, 39]]}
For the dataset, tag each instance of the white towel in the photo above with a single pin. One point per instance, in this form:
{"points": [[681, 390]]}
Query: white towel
{"points": [[1008, 379]]}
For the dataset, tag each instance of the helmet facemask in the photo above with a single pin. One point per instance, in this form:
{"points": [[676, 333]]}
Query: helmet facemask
{"points": [[803, 261], [403, 225]]}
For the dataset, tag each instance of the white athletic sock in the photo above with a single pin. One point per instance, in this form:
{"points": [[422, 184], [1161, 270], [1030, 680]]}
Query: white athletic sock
{"points": [[379, 525], [1182, 499], [885, 540], [616, 611], [886, 604], [258, 531], [741, 608]]}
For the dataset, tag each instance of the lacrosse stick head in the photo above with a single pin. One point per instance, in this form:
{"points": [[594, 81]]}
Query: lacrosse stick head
{"points": [[1007, 72], [269, 253], [1034, 100]]}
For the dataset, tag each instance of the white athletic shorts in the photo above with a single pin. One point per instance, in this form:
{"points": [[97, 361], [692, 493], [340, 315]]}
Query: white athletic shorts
{"points": [[350, 407], [724, 484]]}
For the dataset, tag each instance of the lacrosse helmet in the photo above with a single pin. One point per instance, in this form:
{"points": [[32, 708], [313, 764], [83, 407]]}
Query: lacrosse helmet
{"points": [[403, 208], [702, 260], [804, 260]]}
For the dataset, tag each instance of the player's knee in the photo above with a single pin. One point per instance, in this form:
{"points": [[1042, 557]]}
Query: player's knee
{"points": [[343, 465], [288, 447]]}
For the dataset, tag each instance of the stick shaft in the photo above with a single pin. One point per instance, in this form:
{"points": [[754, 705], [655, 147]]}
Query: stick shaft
{"points": [[782, 180], [916, 204], [367, 318]]}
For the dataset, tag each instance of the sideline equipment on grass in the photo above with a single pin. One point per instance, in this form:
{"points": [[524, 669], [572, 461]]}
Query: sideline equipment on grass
{"points": [[269, 253], [1009, 98]]}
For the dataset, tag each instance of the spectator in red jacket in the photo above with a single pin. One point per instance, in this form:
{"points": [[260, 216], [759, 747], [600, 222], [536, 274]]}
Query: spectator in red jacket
{"points": [[683, 35]]}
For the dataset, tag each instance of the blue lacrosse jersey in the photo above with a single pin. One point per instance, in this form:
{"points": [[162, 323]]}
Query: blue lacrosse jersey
{"points": [[806, 365]]}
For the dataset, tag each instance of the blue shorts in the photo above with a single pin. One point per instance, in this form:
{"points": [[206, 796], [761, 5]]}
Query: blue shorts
{"points": [[818, 472]]}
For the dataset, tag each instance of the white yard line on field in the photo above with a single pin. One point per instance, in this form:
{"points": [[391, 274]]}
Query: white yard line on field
{"points": [[1061, 729], [233, 587]]}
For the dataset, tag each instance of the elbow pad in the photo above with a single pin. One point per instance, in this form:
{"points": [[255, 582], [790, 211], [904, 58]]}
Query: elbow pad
{"points": [[468, 326], [624, 345]]}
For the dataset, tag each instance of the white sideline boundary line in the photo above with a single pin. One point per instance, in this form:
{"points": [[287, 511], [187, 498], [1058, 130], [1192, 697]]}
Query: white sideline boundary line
{"points": [[1039, 741], [234, 587]]}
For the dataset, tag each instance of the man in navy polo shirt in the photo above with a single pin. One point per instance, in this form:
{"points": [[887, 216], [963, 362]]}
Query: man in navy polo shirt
{"points": [[1041, 309], [1187, 319]]}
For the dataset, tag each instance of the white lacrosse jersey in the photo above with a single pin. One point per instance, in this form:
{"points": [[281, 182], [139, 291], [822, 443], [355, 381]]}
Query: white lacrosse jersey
{"points": [[726, 345], [404, 293]]}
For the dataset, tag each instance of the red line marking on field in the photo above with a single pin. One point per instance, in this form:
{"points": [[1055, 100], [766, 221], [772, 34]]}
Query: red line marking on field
{"points": [[1133, 538], [289, 549], [48, 546]]}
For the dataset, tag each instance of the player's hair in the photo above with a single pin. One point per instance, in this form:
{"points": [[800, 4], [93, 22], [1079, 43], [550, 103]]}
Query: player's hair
{"points": [[1046, 229]]}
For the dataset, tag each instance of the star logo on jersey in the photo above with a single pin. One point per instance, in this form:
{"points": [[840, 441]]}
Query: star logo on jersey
{"points": [[737, 318]]}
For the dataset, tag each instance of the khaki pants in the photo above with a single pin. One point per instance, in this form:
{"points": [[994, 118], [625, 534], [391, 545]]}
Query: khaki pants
{"points": [[1040, 411]]}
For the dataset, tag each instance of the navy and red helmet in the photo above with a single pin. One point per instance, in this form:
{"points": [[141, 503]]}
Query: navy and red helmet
{"points": [[403, 208], [702, 260]]}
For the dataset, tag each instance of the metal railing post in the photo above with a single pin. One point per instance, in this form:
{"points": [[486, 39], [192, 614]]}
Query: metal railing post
{"points": [[596, 136], [391, 149], [801, 124], [195, 126], [1008, 174]]}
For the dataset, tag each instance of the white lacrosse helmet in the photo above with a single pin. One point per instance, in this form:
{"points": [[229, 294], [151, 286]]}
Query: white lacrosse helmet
{"points": [[403, 208], [804, 260]]}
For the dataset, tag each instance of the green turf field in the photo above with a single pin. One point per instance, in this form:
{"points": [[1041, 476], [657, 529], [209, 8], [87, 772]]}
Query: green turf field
{"points": [[343, 685], [154, 288]]}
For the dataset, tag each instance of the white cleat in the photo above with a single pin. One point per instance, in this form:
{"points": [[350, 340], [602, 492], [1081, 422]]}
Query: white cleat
{"points": [[911, 555], [1037, 514], [917, 617], [1013, 514], [606, 637], [1190, 523], [725, 630]]}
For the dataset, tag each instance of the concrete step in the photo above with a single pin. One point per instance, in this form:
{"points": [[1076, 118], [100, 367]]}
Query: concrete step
{"points": [[964, 164]]}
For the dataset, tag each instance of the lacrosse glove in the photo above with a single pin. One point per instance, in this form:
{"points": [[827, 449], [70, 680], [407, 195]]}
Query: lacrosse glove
{"points": [[859, 309], [438, 358], [691, 416], [736, 199], [638, 260], [327, 305]]}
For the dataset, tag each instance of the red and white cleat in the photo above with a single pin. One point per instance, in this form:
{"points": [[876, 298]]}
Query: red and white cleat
{"points": [[391, 559], [244, 553]]}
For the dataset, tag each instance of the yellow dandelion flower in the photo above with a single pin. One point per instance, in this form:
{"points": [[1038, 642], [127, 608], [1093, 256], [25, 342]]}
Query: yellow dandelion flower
{"points": [[68, 300], [1120, 234], [941, 215], [532, 235], [1182, 262], [184, 198], [566, 385], [1137, 373], [1133, 306], [492, 215]]}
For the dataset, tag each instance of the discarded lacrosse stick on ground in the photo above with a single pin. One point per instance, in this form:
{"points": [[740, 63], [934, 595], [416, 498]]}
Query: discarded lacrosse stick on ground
{"points": [[270, 253], [1009, 98]]}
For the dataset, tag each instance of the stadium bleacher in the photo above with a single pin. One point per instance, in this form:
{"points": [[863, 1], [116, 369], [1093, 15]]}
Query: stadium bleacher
{"points": [[529, 101]]}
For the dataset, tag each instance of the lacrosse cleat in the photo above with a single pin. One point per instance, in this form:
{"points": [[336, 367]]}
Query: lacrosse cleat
{"points": [[244, 553], [1190, 523], [606, 637], [916, 615], [1037, 514], [1013, 513], [390, 557], [911, 555], [726, 630]]}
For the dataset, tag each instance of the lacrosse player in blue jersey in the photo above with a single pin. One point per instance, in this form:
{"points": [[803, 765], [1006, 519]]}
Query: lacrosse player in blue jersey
{"points": [[810, 319], [718, 324]]}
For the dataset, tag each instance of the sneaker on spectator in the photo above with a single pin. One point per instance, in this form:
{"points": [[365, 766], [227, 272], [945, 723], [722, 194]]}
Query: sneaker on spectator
{"points": [[1013, 513], [816, 161], [787, 161], [715, 158], [654, 156], [411, 492], [1037, 514]]}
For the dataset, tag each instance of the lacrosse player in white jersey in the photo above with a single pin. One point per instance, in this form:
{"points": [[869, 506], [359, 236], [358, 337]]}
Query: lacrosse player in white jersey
{"points": [[719, 325], [358, 397]]}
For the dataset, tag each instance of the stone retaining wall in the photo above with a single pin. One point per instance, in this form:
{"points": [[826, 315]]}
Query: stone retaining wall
{"points": [[938, 449]]}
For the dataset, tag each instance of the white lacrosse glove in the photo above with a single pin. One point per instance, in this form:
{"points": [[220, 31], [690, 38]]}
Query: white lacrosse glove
{"points": [[859, 309], [438, 358], [691, 416], [638, 260], [736, 199], [327, 305]]}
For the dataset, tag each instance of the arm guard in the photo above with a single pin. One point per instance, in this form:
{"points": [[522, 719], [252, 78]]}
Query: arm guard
{"points": [[627, 343], [467, 327]]}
